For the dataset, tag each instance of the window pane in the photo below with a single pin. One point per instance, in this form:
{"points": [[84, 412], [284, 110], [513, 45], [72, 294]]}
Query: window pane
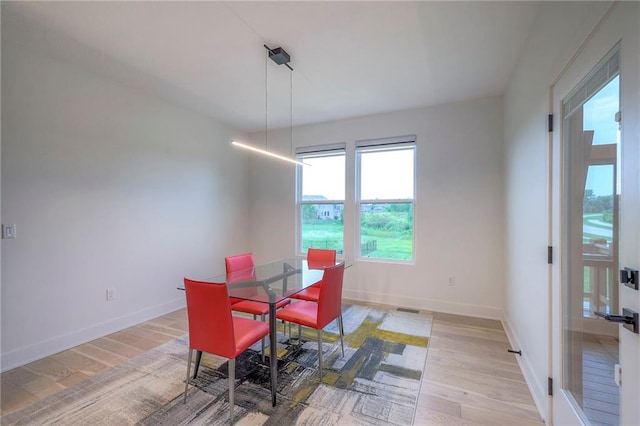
{"points": [[322, 226], [386, 231], [324, 179], [386, 174], [599, 111], [597, 209]]}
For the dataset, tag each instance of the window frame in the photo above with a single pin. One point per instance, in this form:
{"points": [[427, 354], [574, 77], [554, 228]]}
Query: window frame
{"points": [[380, 145], [334, 150]]}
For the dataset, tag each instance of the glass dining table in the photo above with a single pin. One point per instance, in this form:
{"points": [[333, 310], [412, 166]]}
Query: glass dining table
{"points": [[271, 283]]}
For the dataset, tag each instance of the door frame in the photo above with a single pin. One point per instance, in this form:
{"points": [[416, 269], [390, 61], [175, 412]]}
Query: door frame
{"points": [[616, 26]]}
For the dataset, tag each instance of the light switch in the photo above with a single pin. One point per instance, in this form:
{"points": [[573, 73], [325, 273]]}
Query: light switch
{"points": [[8, 231]]}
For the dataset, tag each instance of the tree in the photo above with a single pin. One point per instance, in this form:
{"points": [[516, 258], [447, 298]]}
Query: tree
{"points": [[309, 211]]}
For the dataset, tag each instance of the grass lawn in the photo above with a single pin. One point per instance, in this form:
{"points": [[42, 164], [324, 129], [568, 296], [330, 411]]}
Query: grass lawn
{"points": [[596, 220], [329, 234]]}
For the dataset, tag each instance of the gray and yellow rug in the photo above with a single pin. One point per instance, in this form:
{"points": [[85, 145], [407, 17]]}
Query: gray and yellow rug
{"points": [[375, 383]]}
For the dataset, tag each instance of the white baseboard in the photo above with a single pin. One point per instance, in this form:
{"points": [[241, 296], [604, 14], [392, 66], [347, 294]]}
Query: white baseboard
{"points": [[433, 305], [27, 354], [538, 390]]}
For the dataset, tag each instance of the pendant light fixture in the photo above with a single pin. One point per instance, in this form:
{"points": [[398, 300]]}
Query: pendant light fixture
{"points": [[280, 57]]}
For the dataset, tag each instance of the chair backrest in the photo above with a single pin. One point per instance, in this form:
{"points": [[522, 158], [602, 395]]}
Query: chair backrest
{"points": [[210, 320], [239, 269], [238, 262], [320, 258], [330, 297]]}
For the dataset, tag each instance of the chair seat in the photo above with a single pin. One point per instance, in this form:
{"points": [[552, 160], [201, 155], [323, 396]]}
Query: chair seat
{"points": [[247, 332], [257, 308], [310, 294], [303, 313]]}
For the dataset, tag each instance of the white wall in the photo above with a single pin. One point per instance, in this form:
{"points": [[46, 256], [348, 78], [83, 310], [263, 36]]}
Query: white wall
{"points": [[459, 218], [110, 188], [557, 33]]}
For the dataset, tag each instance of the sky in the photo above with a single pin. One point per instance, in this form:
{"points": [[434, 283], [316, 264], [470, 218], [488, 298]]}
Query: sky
{"points": [[385, 175], [599, 115]]}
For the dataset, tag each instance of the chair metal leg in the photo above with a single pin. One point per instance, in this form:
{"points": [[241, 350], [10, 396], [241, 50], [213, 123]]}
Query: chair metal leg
{"points": [[263, 342], [186, 382], [341, 333], [320, 353], [299, 335], [232, 379], [197, 366]]}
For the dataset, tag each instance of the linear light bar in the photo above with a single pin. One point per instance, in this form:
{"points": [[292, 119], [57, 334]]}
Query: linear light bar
{"points": [[268, 153]]}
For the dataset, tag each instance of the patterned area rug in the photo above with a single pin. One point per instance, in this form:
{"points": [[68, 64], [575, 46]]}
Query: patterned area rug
{"points": [[375, 383]]}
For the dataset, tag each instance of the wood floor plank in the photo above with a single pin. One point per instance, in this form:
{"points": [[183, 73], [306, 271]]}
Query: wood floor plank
{"points": [[602, 396], [492, 417], [51, 368], [73, 379], [604, 418], [606, 407], [599, 387], [17, 376], [170, 332], [472, 399], [427, 417], [43, 386], [467, 321], [106, 357], [442, 405], [484, 333], [78, 362], [471, 346], [145, 335], [471, 364], [119, 348], [483, 384], [14, 396]]}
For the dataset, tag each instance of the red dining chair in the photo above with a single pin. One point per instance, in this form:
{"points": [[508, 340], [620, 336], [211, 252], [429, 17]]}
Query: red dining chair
{"points": [[238, 264], [213, 329], [318, 259], [240, 268], [318, 315]]}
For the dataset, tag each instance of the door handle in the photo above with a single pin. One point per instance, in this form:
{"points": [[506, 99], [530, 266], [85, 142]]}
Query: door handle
{"points": [[629, 277], [629, 319]]}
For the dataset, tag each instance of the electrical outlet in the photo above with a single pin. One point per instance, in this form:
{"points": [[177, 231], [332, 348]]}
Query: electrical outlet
{"points": [[111, 294], [8, 232], [452, 281]]}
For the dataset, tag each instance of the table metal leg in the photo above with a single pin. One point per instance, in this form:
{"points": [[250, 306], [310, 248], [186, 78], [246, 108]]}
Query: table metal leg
{"points": [[273, 352]]}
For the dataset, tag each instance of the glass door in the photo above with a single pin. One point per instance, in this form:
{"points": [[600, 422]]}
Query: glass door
{"points": [[591, 137]]}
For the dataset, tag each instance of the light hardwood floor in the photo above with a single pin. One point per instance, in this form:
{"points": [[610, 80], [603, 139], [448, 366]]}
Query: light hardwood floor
{"points": [[601, 396], [469, 379]]}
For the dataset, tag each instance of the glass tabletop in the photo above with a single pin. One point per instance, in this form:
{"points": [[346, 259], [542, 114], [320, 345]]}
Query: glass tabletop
{"points": [[272, 282]]}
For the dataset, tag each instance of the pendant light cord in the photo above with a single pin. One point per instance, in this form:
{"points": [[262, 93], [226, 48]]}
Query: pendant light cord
{"points": [[266, 108], [291, 112]]}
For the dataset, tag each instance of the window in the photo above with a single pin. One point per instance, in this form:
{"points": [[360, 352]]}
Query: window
{"points": [[321, 188], [385, 198]]}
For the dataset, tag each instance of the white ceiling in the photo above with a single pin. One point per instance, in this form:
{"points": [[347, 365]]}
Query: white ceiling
{"points": [[350, 58]]}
